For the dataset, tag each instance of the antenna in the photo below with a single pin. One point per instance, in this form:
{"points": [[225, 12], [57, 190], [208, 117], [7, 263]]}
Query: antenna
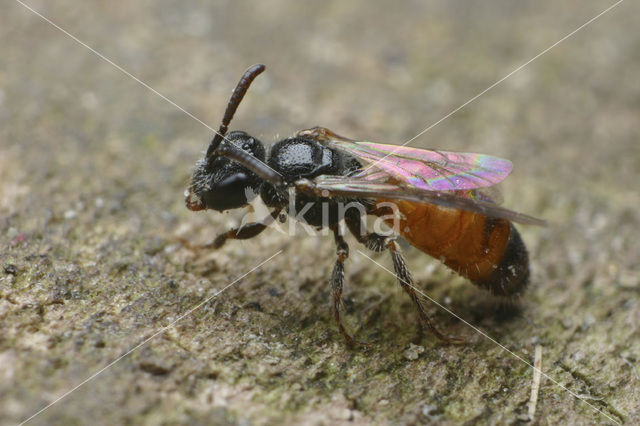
{"points": [[236, 97]]}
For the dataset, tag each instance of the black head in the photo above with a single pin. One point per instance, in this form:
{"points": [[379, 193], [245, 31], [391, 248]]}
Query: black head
{"points": [[220, 183]]}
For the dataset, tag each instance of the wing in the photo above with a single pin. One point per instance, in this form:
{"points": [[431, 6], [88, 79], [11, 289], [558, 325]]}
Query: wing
{"points": [[354, 187], [489, 193], [419, 168], [446, 179]]}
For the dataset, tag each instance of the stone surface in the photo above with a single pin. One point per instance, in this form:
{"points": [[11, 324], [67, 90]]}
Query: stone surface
{"points": [[92, 172]]}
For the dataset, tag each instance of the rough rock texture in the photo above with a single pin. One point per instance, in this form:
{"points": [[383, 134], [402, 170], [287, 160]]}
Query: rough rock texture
{"points": [[92, 172]]}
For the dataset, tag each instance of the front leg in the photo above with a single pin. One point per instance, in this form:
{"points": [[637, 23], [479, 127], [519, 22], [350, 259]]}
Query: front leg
{"points": [[249, 230]]}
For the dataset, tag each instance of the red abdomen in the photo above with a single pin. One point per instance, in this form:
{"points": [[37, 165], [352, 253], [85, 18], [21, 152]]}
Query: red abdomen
{"points": [[486, 250]]}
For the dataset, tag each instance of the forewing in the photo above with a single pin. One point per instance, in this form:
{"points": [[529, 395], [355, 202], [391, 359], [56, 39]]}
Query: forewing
{"points": [[490, 193], [353, 187], [426, 169]]}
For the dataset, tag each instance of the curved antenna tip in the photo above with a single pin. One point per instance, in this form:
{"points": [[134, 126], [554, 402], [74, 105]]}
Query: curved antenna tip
{"points": [[257, 68], [236, 97]]}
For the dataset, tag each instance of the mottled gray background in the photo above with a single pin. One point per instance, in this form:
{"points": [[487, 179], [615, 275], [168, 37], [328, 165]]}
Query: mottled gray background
{"points": [[93, 167]]}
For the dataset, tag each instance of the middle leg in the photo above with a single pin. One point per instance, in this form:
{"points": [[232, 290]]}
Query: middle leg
{"points": [[337, 283]]}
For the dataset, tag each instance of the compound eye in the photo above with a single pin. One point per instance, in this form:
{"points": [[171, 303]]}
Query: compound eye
{"points": [[232, 192], [232, 183]]}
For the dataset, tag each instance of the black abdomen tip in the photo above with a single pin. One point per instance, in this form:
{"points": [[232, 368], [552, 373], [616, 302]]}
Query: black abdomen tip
{"points": [[511, 276]]}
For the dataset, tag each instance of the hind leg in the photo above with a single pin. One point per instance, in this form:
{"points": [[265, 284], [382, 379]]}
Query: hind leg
{"points": [[377, 243], [406, 282]]}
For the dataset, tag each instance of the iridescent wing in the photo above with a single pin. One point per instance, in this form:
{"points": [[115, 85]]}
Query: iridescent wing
{"points": [[488, 193], [424, 169], [447, 179], [354, 187]]}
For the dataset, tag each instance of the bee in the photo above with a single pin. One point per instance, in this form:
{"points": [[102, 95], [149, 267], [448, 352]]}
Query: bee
{"points": [[439, 201]]}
